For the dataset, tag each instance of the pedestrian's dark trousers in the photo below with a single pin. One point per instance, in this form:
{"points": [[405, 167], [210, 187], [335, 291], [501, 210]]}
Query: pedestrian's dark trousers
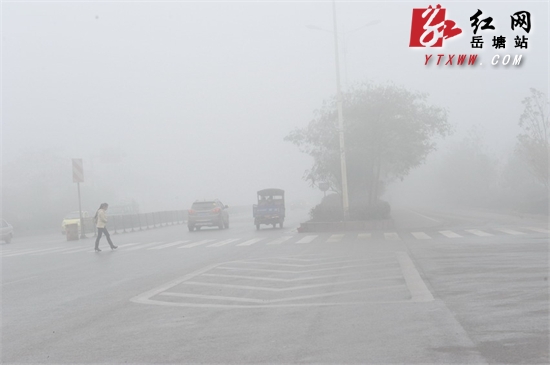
{"points": [[101, 231]]}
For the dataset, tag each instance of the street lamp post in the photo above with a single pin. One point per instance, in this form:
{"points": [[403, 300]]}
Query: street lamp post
{"points": [[343, 168], [345, 197]]}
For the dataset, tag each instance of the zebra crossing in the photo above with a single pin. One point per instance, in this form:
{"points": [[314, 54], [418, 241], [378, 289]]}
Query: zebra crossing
{"points": [[286, 239]]}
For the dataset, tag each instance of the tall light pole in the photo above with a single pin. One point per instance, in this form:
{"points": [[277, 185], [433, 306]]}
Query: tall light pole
{"points": [[343, 168], [345, 196]]}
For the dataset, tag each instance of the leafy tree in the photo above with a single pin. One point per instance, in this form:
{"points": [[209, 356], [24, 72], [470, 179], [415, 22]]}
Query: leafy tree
{"points": [[388, 131], [467, 173], [532, 144]]}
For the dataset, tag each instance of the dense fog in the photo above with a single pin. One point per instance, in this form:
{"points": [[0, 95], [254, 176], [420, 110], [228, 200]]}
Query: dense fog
{"points": [[171, 102]]}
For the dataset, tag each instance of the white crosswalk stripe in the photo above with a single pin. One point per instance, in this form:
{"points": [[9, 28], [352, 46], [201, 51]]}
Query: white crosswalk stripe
{"points": [[450, 234], [224, 242], [60, 250], [198, 243], [335, 238], [139, 247], [536, 229], [307, 239], [75, 251], [251, 242], [421, 236], [479, 233], [167, 245], [31, 252], [280, 240], [363, 236], [508, 231], [391, 236]]}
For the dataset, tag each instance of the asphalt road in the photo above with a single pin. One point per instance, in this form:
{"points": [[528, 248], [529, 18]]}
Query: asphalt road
{"points": [[443, 287]]}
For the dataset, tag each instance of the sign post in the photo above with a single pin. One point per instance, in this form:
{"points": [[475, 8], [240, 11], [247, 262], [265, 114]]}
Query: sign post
{"points": [[78, 177]]}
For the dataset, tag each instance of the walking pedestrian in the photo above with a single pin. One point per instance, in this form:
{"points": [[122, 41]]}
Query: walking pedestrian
{"points": [[101, 222]]}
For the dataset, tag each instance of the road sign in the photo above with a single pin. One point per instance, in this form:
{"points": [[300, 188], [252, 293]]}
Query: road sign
{"points": [[78, 170]]}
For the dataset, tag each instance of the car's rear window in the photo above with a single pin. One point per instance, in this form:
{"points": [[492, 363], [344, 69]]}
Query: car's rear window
{"points": [[204, 205]]}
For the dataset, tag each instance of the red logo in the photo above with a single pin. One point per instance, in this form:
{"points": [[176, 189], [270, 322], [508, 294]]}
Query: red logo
{"points": [[429, 27]]}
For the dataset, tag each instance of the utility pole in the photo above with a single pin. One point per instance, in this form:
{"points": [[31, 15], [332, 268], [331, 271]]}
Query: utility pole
{"points": [[345, 199]]}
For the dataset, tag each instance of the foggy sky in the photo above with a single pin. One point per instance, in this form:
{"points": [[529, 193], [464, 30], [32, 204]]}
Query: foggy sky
{"points": [[193, 100]]}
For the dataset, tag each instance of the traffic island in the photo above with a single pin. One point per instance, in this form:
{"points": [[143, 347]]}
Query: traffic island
{"points": [[378, 224]]}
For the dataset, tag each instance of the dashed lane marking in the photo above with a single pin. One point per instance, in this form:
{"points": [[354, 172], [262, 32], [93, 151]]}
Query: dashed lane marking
{"points": [[335, 238], [75, 251], [224, 242], [280, 240], [479, 233], [450, 234], [535, 229], [307, 239], [198, 243], [167, 245], [421, 236], [250, 242], [30, 252], [508, 231], [363, 236], [143, 246], [60, 250]]}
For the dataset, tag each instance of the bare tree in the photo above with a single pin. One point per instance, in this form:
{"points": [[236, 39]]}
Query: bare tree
{"points": [[532, 144]]}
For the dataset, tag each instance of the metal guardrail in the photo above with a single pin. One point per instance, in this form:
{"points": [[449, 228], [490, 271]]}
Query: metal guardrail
{"points": [[123, 223]]}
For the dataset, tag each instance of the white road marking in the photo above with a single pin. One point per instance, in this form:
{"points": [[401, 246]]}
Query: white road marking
{"points": [[391, 236], [386, 267], [263, 301], [225, 242], [17, 281], [307, 239], [251, 242], [250, 287], [143, 246], [535, 229], [479, 233], [424, 216], [280, 240], [198, 243], [421, 236], [255, 262], [30, 252], [75, 251], [278, 279], [335, 238], [129, 244], [508, 231], [450, 234], [167, 245], [363, 236], [61, 250], [418, 289]]}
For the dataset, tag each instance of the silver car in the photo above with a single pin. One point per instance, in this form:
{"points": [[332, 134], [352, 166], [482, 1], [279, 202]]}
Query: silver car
{"points": [[6, 232], [208, 213]]}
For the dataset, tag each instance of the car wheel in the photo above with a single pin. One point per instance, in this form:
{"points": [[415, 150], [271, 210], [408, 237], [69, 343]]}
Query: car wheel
{"points": [[281, 224], [191, 228], [227, 224], [257, 227]]}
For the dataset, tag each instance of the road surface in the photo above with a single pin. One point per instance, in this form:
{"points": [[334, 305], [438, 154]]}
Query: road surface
{"points": [[443, 287]]}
